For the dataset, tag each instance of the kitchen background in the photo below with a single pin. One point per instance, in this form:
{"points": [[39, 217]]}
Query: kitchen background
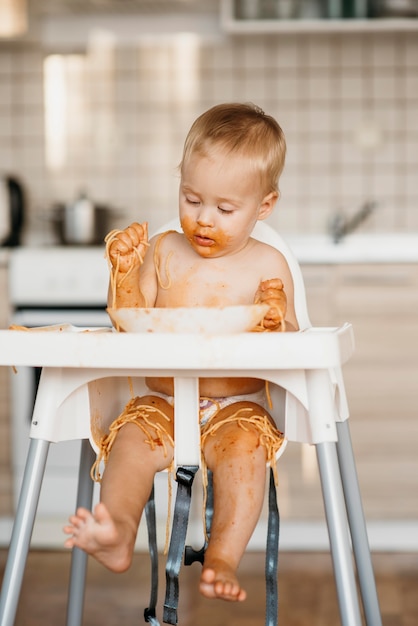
{"points": [[106, 110], [101, 104]]}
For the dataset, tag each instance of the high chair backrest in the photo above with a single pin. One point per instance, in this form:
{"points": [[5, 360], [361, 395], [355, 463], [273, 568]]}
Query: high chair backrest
{"points": [[265, 233]]}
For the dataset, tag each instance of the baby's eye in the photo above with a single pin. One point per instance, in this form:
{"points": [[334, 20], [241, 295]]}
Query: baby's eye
{"points": [[193, 201], [224, 211]]}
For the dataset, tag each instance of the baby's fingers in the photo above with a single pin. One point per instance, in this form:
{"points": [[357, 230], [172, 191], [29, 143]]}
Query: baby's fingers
{"points": [[274, 318], [138, 233], [273, 294], [122, 244], [128, 239], [271, 283]]}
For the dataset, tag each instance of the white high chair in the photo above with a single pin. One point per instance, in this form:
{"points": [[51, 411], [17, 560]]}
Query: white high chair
{"points": [[84, 386]]}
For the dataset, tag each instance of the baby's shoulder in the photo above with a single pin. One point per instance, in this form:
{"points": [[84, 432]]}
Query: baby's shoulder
{"points": [[266, 250], [268, 257], [161, 240]]}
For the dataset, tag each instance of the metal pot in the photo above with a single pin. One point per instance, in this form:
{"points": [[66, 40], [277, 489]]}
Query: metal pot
{"points": [[82, 222]]}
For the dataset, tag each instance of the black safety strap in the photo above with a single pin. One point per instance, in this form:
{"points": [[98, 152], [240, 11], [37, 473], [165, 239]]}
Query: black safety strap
{"points": [[184, 477], [150, 613], [191, 555], [209, 503], [272, 556]]}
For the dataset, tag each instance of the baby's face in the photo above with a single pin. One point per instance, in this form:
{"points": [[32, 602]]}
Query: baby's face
{"points": [[220, 200]]}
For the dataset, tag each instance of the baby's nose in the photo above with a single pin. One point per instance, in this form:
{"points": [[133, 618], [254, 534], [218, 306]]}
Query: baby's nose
{"points": [[205, 217]]}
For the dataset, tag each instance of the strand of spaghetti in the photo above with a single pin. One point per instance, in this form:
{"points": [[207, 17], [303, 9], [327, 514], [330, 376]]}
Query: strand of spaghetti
{"points": [[126, 274], [114, 271], [213, 402], [268, 396], [114, 278], [157, 261]]}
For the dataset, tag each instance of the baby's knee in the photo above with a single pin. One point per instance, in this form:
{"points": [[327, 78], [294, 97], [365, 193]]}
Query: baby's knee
{"points": [[159, 411], [242, 428], [145, 423]]}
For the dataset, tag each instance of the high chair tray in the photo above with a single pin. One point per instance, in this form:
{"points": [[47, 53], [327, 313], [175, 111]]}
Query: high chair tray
{"points": [[69, 346]]}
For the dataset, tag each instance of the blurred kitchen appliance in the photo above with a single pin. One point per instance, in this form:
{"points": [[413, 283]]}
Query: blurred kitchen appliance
{"points": [[12, 210], [52, 285], [82, 222], [397, 8]]}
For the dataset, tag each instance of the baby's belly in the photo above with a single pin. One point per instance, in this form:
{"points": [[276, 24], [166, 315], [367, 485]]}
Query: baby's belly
{"points": [[211, 387]]}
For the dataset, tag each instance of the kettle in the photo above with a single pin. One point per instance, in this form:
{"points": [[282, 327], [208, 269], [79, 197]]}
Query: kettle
{"points": [[11, 211]]}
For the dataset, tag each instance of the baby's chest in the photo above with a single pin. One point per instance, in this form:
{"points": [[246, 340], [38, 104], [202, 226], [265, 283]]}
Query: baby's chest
{"points": [[208, 289]]}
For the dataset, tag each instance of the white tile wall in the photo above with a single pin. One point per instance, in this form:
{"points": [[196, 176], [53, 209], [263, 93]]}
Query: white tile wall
{"points": [[128, 110]]}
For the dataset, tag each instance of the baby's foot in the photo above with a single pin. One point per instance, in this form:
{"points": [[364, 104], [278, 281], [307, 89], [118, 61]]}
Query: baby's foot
{"points": [[97, 534], [218, 580]]}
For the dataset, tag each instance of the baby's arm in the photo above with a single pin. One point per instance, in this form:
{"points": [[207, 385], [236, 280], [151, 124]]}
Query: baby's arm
{"points": [[271, 292], [126, 251]]}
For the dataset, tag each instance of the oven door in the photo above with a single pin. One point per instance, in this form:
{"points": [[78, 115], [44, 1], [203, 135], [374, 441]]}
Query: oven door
{"points": [[59, 488]]}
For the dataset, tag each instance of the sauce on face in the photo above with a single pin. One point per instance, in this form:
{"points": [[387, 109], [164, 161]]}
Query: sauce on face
{"points": [[217, 241]]}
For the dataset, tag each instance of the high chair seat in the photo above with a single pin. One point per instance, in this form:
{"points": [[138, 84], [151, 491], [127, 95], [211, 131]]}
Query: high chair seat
{"points": [[85, 383]]}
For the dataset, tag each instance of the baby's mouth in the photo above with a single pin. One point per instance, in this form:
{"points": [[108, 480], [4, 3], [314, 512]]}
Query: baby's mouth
{"points": [[201, 240]]}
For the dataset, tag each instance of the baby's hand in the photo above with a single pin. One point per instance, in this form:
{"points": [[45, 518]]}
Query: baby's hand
{"points": [[271, 292], [128, 247]]}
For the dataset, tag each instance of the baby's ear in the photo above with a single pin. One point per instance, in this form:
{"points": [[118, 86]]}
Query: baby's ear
{"points": [[267, 205]]}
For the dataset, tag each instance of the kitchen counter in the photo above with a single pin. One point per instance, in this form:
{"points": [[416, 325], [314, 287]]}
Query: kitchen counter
{"points": [[356, 248], [308, 249]]}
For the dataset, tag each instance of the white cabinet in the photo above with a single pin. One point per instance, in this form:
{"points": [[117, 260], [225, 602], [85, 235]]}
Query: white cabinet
{"points": [[381, 302], [320, 292]]}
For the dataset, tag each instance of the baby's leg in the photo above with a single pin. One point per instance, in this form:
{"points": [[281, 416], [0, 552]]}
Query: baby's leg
{"points": [[109, 533], [238, 463]]}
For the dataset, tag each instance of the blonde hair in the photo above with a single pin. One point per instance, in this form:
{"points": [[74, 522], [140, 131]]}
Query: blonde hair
{"points": [[242, 129]]}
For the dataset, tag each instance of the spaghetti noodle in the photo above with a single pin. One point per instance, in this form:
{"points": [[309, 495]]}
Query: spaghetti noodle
{"points": [[157, 261]]}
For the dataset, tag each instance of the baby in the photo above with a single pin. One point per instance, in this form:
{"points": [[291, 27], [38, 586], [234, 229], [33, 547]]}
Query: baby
{"points": [[232, 160]]}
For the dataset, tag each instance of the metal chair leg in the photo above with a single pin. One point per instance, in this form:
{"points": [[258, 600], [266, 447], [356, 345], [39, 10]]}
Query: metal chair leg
{"points": [[357, 526], [79, 558], [338, 533], [22, 530]]}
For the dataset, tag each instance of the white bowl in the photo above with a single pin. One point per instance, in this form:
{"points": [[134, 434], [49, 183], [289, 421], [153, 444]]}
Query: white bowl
{"points": [[222, 320]]}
